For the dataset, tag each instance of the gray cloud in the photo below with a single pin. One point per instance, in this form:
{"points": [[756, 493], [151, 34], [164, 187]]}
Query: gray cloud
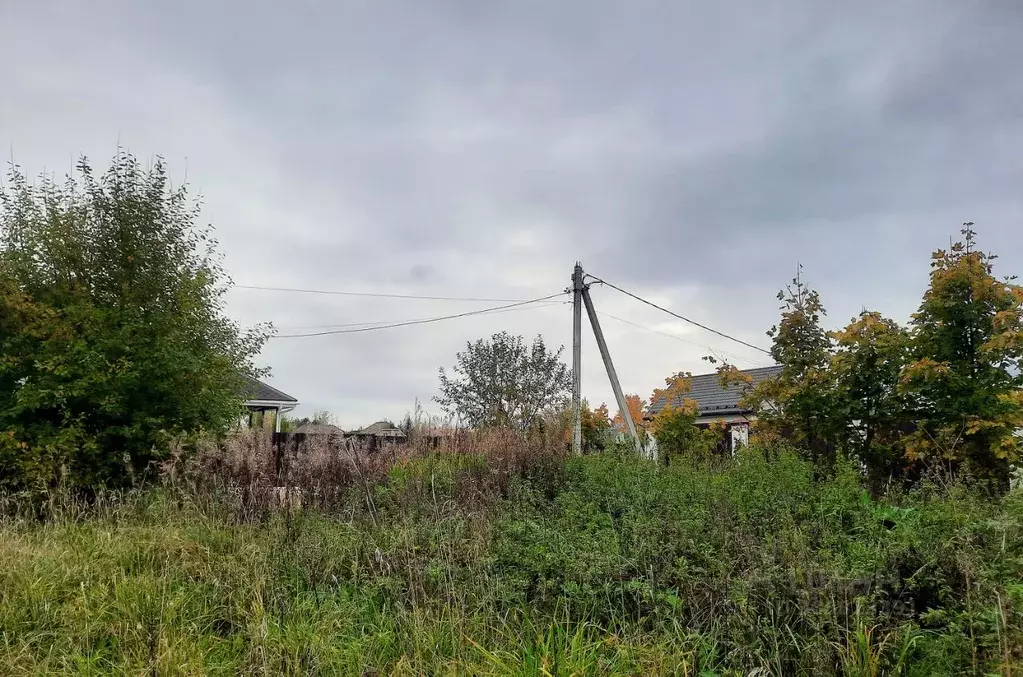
{"points": [[691, 151]]}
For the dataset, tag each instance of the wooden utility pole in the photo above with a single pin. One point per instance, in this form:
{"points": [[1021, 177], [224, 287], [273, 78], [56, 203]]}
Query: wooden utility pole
{"points": [[612, 376], [577, 359]]}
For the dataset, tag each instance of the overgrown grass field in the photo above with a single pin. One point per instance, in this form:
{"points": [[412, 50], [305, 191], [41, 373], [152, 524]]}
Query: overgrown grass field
{"points": [[452, 564]]}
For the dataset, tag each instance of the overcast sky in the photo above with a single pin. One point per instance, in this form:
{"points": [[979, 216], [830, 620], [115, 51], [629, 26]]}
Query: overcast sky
{"points": [[690, 152]]}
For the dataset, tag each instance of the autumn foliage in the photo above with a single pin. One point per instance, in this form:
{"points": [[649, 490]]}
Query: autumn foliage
{"points": [[943, 391], [676, 403], [595, 425], [637, 408]]}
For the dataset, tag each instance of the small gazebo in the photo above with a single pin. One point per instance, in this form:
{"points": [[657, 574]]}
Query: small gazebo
{"points": [[260, 397]]}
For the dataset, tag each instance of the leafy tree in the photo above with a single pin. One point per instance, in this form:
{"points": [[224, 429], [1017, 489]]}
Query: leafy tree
{"points": [[871, 353], [502, 382], [674, 425], [637, 408], [965, 379], [799, 402], [729, 375], [323, 417], [112, 332], [949, 389], [407, 426], [319, 417], [595, 425], [800, 344]]}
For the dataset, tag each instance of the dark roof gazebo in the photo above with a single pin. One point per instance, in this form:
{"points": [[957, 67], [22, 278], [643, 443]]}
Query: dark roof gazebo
{"points": [[261, 397]]}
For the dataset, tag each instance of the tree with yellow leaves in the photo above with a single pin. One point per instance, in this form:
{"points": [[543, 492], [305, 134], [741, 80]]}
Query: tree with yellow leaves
{"points": [[871, 410], [799, 403], [674, 425], [946, 390], [637, 408], [964, 380]]}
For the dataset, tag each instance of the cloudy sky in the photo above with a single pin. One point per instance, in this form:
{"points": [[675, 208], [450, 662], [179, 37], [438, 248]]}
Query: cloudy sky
{"points": [[690, 152]]}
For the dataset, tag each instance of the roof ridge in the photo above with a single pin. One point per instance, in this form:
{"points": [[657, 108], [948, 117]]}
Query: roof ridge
{"points": [[772, 367]]}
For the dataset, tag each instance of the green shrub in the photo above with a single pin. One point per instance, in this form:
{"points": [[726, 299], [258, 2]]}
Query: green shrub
{"points": [[112, 332], [626, 567]]}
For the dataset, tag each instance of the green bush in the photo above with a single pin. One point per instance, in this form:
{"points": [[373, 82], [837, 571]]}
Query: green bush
{"points": [[783, 571], [622, 567], [113, 338]]}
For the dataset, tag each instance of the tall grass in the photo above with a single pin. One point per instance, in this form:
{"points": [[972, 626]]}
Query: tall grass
{"points": [[492, 555]]}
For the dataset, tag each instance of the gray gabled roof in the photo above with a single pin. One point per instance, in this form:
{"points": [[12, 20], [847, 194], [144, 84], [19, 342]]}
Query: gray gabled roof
{"points": [[381, 428], [712, 398], [257, 391]]}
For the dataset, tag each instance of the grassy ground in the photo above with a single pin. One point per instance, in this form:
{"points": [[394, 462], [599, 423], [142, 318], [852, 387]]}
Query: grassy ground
{"points": [[597, 565]]}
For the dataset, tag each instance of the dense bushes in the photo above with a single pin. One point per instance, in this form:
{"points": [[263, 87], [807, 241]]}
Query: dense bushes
{"points": [[775, 569], [512, 560], [113, 338]]}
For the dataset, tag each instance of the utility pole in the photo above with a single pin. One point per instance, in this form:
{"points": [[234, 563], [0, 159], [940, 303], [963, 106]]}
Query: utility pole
{"points": [[612, 376], [577, 359]]}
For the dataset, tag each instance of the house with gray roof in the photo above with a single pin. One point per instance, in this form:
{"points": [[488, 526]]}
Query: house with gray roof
{"points": [[379, 434], [718, 403], [322, 429]]}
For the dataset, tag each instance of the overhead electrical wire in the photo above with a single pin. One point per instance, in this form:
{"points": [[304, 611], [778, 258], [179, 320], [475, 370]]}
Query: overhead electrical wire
{"points": [[358, 327], [674, 314], [678, 338], [374, 294], [540, 304], [407, 323]]}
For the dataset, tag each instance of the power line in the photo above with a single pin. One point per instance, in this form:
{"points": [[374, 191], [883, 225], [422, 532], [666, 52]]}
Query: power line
{"points": [[677, 338], [373, 295], [684, 319], [423, 321], [377, 322]]}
